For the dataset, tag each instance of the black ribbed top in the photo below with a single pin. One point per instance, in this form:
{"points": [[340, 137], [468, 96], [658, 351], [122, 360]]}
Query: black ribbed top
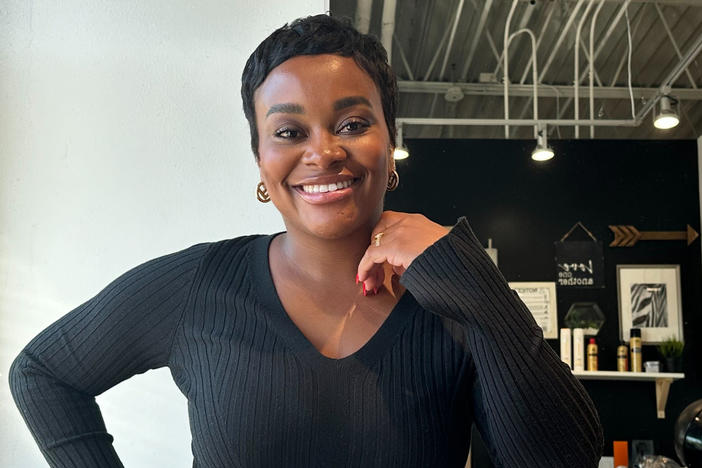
{"points": [[459, 347]]}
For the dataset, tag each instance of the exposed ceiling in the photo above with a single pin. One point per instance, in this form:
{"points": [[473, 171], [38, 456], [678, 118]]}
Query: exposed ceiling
{"points": [[446, 54]]}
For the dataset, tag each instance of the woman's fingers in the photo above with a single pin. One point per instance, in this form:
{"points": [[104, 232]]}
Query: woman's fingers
{"points": [[371, 270], [397, 240]]}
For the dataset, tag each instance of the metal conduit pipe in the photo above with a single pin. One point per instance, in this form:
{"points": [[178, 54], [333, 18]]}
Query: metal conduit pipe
{"points": [[561, 37], [593, 23], [363, 15], [388, 27], [459, 10], [515, 122], [436, 55], [505, 57], [600, 47], [545, 26], [476, 38], [534, 72], [576, 66]]}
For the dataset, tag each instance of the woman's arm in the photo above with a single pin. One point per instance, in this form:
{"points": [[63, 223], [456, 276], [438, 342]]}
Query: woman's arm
{"points": [[528, 406], [125, 330]]}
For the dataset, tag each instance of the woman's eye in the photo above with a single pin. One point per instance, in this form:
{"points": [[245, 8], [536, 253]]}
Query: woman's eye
{"points": [[287, 133], [354, 126]]}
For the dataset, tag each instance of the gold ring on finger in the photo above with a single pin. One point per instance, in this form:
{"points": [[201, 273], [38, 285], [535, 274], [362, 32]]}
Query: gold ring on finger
{"points": [[377, 238]]}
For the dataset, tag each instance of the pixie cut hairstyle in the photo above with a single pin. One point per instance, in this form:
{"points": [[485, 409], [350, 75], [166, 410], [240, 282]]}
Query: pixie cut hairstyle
{"points": [[315, 35]]}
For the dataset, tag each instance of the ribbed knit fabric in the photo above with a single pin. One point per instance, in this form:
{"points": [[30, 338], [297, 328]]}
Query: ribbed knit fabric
{"points": [[459, 347]]}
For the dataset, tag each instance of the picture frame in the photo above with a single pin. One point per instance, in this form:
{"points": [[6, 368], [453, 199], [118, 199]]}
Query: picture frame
{"points": [[540, 299], [649, 298]]}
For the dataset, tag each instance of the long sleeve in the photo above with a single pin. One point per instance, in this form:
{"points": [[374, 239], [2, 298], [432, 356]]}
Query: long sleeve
{"points": [[126, 329], [528, 406]]}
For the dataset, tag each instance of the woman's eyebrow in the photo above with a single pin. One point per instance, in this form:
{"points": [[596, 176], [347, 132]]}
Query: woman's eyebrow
{"points": [[343, 103], [286, 108]]}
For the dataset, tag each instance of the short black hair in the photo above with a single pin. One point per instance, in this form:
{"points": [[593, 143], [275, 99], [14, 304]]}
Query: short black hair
{"points": [[315, 35]]}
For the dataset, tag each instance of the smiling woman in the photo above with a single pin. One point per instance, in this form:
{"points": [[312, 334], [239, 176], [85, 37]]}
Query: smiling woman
{"points": [[357, 337], [324, 150]]}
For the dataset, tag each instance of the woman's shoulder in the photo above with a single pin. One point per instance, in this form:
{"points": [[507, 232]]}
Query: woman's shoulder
{"points": [[251, 244]]}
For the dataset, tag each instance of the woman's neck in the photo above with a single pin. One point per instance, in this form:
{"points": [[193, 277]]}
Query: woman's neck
{"points": [[320, 261]]}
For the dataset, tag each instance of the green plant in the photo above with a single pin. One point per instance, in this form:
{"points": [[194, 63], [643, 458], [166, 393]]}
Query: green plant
{"points": [[671, 348]]}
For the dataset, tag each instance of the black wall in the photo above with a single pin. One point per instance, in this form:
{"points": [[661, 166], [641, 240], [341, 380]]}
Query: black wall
{"points": [[525, 206]]}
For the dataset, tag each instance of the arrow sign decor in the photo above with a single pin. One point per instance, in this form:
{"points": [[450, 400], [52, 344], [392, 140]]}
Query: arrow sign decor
{"points": [[627, 236]]}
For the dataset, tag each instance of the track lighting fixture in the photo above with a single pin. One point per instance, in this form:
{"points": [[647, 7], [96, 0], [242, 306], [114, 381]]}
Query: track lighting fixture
{"points": [[542, 152], [666, 118]]}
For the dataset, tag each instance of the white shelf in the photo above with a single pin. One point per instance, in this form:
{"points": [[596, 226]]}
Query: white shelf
{"points": [[615, 375], [662, 380]]}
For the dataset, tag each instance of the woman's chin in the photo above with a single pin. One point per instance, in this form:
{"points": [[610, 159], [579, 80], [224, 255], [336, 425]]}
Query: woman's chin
{"points": [[336, 227]]}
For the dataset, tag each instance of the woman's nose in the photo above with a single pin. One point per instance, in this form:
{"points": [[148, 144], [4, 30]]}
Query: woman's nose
{"points": [[324, 150]]}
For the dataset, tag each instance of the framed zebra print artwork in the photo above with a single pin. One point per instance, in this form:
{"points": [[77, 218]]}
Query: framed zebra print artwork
{"points": [[650, 299]]}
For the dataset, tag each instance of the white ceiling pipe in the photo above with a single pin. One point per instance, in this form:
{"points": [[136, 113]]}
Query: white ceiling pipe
{"points": [[612, 26], [576, 66], [363, 15], [459, 10], [561, 37], [593, 23], [600, 47], [528, 11], [547, 22], [638, 92], [476, 38], [435, 58], [625, 55], [449, 46], [388, 26], [516, 122], [550, 91], [505, 58], [535, 97], [408, 70], [667, 2]]}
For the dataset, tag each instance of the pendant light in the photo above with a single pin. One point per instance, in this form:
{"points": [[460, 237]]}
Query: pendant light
{"points": [[542, 152], [400, 151], [666, 118]]}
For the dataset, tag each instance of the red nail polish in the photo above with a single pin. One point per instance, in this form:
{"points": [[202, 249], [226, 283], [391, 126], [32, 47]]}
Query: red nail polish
{"points": [[364, 289], [356, 278], [375, 290]]}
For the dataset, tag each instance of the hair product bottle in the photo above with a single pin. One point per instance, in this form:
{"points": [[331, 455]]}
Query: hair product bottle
{"points": [[592, 355], [578, 349], [566, 347], [622, 357], [635, 348]]}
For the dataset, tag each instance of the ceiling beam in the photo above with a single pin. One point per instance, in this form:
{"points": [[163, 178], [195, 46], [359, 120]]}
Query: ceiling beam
{"points": [[667, 2], [497, 89]]}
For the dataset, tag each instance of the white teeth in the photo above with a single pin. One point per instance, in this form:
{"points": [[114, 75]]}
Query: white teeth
{"points": [[326, 187]]}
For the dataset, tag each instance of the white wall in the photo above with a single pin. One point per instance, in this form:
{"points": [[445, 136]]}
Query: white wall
{"points": [[121, 139]]}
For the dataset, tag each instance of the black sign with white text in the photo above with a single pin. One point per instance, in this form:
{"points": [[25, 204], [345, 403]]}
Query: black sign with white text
{"points": [[579, 264]]}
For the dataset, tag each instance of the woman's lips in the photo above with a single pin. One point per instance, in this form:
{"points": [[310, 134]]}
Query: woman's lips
{"points": [[318, 194]]}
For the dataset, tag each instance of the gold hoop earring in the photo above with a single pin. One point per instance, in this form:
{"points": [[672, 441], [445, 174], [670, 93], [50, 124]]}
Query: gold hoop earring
{"points": [[262, 193], [393, 180]]}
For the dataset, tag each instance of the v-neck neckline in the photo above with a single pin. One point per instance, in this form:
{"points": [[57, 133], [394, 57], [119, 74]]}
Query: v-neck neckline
{"points": [[379, 343]]}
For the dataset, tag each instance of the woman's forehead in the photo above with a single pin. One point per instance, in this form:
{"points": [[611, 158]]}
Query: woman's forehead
{"points": [[318, 78]]}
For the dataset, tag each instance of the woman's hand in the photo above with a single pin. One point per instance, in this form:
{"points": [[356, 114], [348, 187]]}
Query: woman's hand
{"points": [[397, 239]]}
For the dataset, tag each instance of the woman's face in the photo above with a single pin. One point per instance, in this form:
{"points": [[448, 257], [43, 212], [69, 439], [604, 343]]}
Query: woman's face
{"points": [[324, 148]]}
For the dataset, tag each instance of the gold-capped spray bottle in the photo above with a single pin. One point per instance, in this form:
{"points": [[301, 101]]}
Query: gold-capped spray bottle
{"points": [[635, 348], [592, 355], [623, 357]]}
